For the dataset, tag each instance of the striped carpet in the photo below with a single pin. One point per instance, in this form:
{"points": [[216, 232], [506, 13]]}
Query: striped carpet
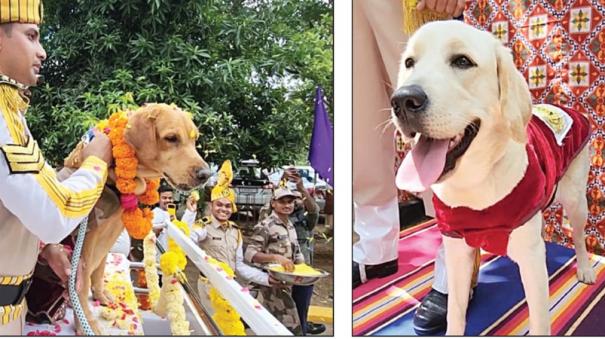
{"points": [[386, 306]]}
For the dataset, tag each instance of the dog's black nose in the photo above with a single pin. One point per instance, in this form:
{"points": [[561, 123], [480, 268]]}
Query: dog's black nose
{"points": [[409, 100], [203, 174]]}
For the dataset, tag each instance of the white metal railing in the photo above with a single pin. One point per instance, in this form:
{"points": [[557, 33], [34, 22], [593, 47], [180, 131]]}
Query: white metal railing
{"points": [[261, 321]]}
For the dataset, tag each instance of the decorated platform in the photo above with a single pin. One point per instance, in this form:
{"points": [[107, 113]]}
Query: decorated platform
{"points": [[386, 306], [121, 319]]}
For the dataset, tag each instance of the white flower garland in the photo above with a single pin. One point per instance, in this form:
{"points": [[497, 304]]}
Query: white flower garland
{"points": [[167, 302], [171, 305], [151, 270]]}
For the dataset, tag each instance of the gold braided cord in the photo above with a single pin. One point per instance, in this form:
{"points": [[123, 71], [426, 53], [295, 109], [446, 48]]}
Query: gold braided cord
{"points": [[11, 104], [413, 19]]}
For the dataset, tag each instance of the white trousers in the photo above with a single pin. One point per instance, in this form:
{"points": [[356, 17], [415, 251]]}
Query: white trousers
{"points": [[378, 41]]}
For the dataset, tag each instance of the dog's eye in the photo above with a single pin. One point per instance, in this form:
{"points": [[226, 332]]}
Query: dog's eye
{"points": [[409, 63], [462, 62], [172, 138]]}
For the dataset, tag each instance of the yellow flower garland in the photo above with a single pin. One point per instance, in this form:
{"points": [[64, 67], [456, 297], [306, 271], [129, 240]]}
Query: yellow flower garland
{"points": [[225, 316], [169, 300]]}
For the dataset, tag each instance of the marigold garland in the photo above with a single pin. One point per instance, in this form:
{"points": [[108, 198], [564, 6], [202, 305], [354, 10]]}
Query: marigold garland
{"points": [[151, 195], [136, 221], [225, 316]]}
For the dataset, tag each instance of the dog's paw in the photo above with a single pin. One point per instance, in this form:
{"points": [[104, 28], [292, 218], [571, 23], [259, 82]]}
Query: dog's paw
{"points": [[586, 275], [103, 298], [95, 327]]}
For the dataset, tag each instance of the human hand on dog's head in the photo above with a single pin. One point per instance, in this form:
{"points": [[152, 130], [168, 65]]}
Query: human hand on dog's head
{"points": [[450, 7], [100, 146]]}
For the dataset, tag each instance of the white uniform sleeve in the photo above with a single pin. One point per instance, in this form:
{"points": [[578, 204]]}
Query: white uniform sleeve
{"points": [[198, 234], [189, 217], [159, 219], [247, 272], [30, 190]]}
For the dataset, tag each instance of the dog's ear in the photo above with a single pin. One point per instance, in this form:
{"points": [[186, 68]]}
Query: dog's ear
{"points": [[514, 95], [141, 131]]}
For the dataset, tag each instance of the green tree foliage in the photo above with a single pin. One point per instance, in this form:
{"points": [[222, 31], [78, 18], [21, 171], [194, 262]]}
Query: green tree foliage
{"points": [[247, 70]]}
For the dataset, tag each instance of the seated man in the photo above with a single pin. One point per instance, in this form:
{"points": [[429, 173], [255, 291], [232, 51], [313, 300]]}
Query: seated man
{"points": [[274, 241], [222, 240]]}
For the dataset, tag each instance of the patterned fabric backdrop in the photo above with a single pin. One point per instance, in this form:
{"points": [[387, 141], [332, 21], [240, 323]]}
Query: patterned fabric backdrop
{"points": [[559, 46]]}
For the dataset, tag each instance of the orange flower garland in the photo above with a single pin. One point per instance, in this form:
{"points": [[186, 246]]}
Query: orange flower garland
{"points": [[136, 221]]}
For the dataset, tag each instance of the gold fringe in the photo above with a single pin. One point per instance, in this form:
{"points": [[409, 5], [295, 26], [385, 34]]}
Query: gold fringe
{"points": [[12, 105], [11, 100], [413, 19]]}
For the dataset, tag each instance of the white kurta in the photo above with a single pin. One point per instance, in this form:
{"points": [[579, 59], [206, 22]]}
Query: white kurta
{"points": [[160, 219]]}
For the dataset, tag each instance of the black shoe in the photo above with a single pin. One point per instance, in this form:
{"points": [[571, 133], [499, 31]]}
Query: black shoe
{"points": [[431, 315], [374, 271], [313, 328]]}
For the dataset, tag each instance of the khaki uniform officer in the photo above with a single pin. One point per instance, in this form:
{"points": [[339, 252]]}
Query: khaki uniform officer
{"points": [[222, 240]]}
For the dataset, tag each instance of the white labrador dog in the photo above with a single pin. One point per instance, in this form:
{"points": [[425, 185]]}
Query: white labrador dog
{"points": [[465, 108]]}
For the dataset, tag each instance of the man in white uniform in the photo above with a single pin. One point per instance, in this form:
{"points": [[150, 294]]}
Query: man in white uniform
{"points": [[161, 214], [34, 205]]}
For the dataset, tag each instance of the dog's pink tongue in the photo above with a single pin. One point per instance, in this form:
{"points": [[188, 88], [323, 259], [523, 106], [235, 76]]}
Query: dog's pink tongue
{"points": [[423, 165]]}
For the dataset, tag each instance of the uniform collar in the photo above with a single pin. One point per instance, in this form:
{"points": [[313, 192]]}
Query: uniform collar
{"points": [[279, 221], [216, 224]]}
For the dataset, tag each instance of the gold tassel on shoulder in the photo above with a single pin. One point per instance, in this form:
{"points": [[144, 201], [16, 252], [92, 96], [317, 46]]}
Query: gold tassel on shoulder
{"points": [[413, 18], [11, 100], [12, 105]]}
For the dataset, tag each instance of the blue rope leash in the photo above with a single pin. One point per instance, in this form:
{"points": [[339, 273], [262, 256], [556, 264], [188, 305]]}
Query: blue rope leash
{"points": [[73, 293]]}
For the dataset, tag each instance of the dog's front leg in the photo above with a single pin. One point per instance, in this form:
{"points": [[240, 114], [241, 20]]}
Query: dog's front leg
{"points": [[526, 247], [459, 260], [98, 291], [83, 295]]}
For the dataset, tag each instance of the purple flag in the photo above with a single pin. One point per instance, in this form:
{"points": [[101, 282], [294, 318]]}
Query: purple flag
{"points": [[321, 151]]}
